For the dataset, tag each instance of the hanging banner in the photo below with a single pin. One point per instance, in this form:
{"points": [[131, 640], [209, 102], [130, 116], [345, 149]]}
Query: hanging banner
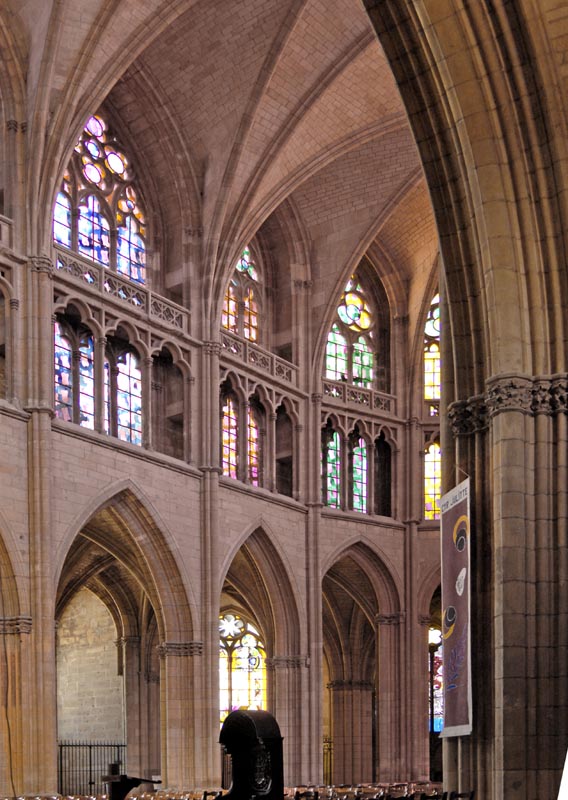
{"points": [[455, 540]]}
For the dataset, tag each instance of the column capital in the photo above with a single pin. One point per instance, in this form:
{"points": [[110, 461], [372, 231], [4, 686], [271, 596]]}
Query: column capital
{"points": [[41, 264], [395, 618], [287, 662], [180, 649], [212, 348], [15, 625], [350, 685]]}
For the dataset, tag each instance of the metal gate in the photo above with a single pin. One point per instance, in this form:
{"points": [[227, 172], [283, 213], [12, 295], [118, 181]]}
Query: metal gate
{"points": [[82, 764]]}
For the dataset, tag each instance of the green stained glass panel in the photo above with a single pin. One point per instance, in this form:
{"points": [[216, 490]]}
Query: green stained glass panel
{"points": [[336, 355], [362, 363], [333, 472], [360, 476]]}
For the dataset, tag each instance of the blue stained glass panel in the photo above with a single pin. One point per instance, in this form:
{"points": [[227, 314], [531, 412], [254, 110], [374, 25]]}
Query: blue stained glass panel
{"points": [[87, 384], [131, 252], [63, 375], [94, 231], [62, 220]]}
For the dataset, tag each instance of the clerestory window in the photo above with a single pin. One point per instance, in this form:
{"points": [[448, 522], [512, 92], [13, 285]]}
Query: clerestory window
{"points": [[241, 305], [98, 211], [349, 354]]}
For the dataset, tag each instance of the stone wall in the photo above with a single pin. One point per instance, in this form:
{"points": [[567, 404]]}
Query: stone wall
{"points": [[90, 704]]}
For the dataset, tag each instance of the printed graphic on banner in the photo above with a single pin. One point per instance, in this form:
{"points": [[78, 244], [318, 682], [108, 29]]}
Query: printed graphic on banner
{"points": [[455, 542]]}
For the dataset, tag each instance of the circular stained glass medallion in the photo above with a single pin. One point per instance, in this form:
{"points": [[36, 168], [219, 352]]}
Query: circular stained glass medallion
{"points": [[115, 162], [95, 126], [92, 173]]}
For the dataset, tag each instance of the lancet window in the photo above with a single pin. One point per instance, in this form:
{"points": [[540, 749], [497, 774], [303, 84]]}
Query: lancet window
{"points": [[242, 665], [432, 358], [74, 380], [241, 305], [331, 466], [432, 481], [357, 472], [350, 347], [98, 211], [229, 432], [122, 392], [255, 442]]}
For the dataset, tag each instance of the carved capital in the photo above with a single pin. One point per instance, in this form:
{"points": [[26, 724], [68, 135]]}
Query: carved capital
{"points": [[510, 393], [350, 685], [424, 620], [317, 398], [212, 348], [287, 662], [303, 286], [390, 619], [14, 303], [128, 641], [468, 416], [15, 625], [42, 264], [166, 649]]}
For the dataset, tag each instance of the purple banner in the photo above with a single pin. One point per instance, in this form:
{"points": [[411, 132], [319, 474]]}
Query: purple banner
{"points": [[455, 537]]}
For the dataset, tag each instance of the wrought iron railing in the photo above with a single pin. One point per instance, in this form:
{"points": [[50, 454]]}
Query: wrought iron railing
{"points": [[82, 765]]}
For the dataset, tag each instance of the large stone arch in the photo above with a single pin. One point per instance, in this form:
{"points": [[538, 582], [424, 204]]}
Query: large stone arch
{"points": [[260, 580], [119, 532], [364, 644], [487, 129]]}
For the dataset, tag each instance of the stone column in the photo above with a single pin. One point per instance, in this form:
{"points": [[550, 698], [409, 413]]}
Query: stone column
{"points": [[100, 352], [40, 731], [147, 364], [391, 705], [180, 732], [133, 703], [188, 403], [270, 455], [352, 720], [14, 637], [207, 718], [285, 685], [14, 354]]}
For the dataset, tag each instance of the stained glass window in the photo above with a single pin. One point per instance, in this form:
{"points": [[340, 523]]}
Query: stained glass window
{"points": [[432, 357], [229, 437], [250, 315], [74, 375], [230, 309], [62, 220], [129, 399], [253, 448], [359, 474], [240, 313], [94, 231], [349, 351], [331, 468], [436, 688], [242, 665], [432, 481], [362, 363], [63, 375], [86, 383], [109, 217], [336, 355], [131, 252]]}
